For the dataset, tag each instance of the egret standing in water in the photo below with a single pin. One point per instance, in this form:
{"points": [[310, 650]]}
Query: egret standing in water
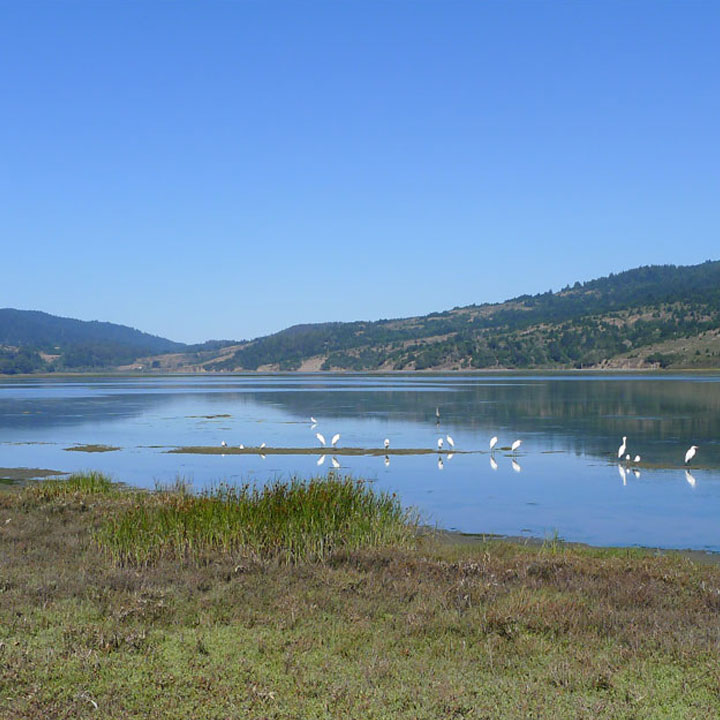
{"points": [[223, 444], [690, 454], [515, 445], [335, 438], [386, 443], [493, 442], [451, 442], [321, 438], [636, 459], [440, 443], [622, 448]]}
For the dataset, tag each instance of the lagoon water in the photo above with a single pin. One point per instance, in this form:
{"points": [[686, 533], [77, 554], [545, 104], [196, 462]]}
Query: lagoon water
{"points": [[565, 480]]}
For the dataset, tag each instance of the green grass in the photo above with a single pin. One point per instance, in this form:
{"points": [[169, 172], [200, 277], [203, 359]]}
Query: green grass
{"points": [[77, 484], [443, 628], [293, 521]]}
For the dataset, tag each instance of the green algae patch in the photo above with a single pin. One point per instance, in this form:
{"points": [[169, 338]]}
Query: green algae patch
{"points": [[92, 448]]}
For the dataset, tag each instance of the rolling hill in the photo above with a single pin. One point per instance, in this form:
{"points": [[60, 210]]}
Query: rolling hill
{"points": [[661, 316]]}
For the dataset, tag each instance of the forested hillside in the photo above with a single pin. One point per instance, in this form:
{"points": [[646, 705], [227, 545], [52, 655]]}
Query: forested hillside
{"points": [[32, 340], [636, 318], [657, 316]]}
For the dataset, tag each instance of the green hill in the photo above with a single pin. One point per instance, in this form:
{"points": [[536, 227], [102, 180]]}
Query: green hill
{"points": [[32, 340], [655, 316]]}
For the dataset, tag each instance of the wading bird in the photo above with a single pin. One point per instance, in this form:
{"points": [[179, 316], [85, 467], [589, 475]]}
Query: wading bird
{"points": [[636, 459], [262, 445], [451, 442], [493, 442], [515, 445], [321, 438], [437, 413], [313, 420], [690, 454], [386, 443], [335, 438], [223, 444], [622, 448], [440, 443]]}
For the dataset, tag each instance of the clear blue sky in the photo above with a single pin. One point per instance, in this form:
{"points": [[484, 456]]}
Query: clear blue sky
{"points": [[227, 169]]}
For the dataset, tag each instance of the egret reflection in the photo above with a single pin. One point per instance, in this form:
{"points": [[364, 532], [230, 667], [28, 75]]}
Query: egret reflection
{"points": [[623, 474], [493, 464], [320, 460], [335, 462], [516, 465], [387, 461], [690, 478], [441, 464]]}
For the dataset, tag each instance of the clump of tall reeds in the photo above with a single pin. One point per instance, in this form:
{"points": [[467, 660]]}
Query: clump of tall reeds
{"points": [[289, 521], [77, 484]]}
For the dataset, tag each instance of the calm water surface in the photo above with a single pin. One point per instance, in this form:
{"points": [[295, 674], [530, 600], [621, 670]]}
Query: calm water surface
{"points": [[565, 479]]}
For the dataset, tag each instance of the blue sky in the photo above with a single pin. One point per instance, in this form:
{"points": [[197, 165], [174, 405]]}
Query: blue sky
{"points": [[227, 169]]}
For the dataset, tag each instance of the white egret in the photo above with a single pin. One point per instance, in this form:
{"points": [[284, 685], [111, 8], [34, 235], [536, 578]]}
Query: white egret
{"points": [[515, 445], [493, 464], [262, 445], [440, 443], [321, 438], [623, 474], [335, 438], [441, 465], [689, 477], [386, 443], [627, 458], [437, 413], [621, 449], [636, 472], [387, 461], [241, 446], [320, 460], [516, 466], [690, 454], [493, 442], [335, 462], [223, 444], [451, 442], [313, 420], [636, 459]]}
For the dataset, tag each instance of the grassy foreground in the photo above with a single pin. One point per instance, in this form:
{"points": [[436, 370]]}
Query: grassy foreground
{"points": [[373, 623]]}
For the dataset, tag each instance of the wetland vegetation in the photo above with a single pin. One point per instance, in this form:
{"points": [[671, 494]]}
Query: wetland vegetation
{"points": [[202, 620]]}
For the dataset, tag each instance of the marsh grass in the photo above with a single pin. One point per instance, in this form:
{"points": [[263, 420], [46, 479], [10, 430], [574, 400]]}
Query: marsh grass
{"points": [[77, 484], [298, 520]]}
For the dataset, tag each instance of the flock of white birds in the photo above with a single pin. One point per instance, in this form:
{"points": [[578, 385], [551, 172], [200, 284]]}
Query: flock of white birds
{"points": [[622, 453]]}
